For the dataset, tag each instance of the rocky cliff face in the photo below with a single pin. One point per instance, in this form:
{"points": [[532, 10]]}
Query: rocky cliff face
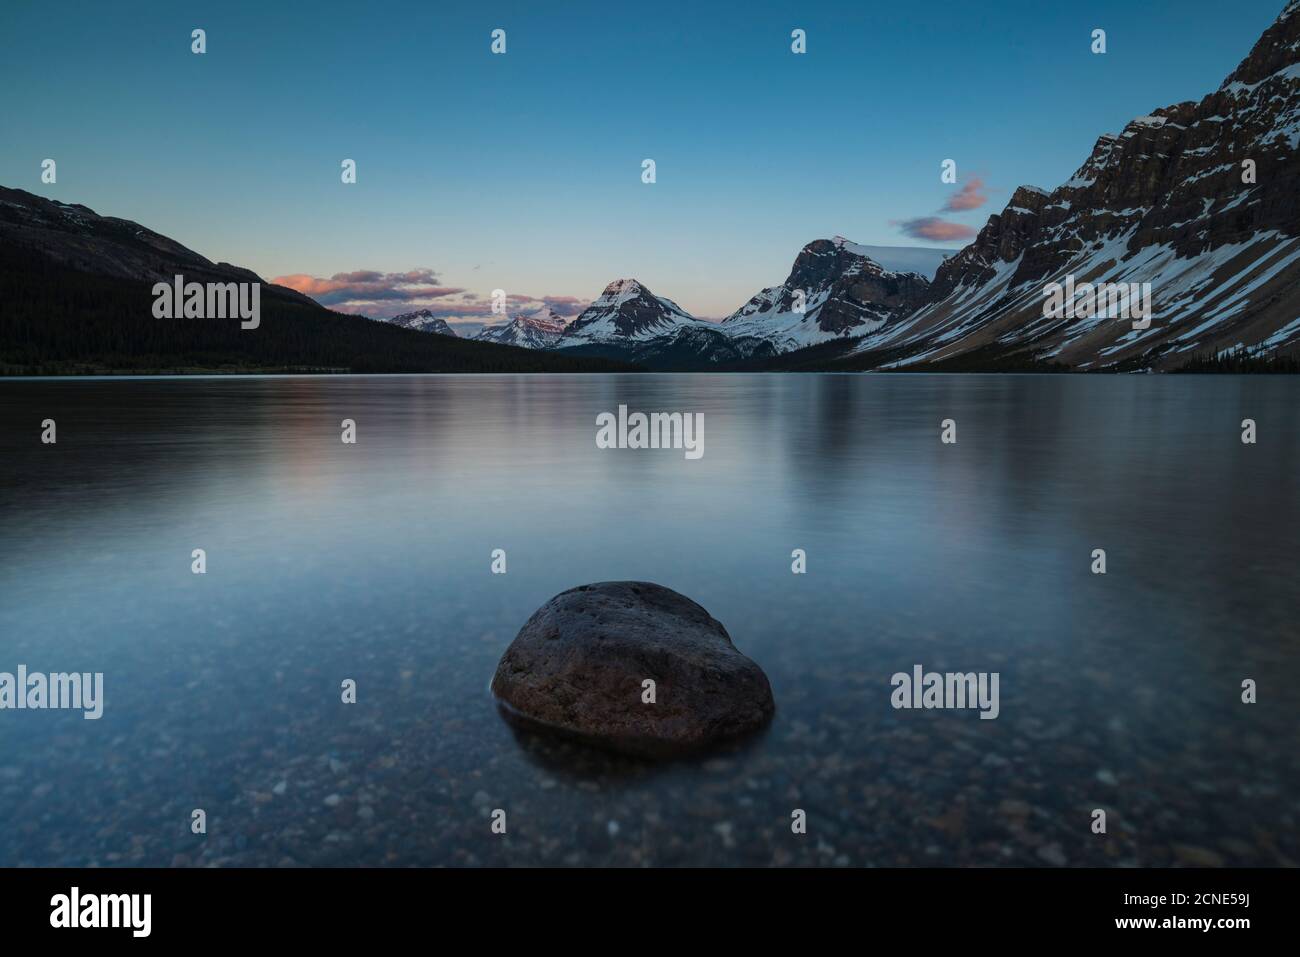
{"points": [[843, 292], [1199, 199]]}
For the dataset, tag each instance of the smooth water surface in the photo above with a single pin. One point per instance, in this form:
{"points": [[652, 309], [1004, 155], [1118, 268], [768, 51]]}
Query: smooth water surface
{"points": [[371, 561]]}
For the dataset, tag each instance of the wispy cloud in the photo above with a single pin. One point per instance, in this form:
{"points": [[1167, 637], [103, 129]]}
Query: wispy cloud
{"points": [[934, 229], [971, 196]]}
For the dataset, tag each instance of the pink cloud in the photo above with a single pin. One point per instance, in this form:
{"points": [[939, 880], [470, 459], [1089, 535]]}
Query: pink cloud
{"points": [[970, 196], [935, 229], [370, 292], [369, 285]]}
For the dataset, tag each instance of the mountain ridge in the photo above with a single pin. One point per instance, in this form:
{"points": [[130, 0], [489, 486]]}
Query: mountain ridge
{"points": [[76, 297]]}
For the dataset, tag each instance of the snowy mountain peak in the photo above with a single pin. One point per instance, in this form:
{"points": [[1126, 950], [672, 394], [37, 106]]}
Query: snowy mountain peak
{"points": [[538, 329], [542, 314], [625, 312], [620, 286], [423, 320]]}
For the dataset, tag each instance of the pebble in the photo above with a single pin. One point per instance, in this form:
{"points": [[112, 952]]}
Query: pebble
{"points": [[1052, 854]]}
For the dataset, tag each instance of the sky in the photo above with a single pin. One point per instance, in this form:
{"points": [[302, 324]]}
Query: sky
{"points": [[522, 171]]}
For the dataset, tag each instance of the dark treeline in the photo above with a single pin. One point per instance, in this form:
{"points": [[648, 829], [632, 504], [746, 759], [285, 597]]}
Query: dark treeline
{"points": [[57, 321], [1242, 359]]}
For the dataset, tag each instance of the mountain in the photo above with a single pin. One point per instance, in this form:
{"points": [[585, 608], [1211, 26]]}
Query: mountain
{"points": [[539, 329], [79, 239], [625, 313], [843, 293], [422, 320], [1163, 202], [76, 290]]}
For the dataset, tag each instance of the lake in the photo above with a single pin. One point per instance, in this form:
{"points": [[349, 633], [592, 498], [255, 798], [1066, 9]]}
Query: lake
{"points": [[372, 561]]}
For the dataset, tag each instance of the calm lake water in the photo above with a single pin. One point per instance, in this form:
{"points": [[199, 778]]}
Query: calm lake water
{"points": [[371, 561]]}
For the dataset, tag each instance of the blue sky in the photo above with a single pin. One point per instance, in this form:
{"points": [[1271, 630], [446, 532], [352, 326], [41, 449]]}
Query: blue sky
{"points": [[523, 171]]}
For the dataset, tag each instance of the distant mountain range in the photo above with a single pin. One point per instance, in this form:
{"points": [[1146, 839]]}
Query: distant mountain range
{"points": [[1200, 200], [1170, 201], [841, 293]]}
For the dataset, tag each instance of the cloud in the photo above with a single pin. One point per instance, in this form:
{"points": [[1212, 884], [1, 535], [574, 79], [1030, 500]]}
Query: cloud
{"points": [[971, 196], [934, 229], [566, 305], [369, 285], [370, 292]]}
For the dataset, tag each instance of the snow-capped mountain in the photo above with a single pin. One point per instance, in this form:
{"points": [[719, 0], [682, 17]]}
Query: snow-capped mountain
{"points": [[1170, 201], [539, 329], [843, 294], [422, 320], [626, 313]]}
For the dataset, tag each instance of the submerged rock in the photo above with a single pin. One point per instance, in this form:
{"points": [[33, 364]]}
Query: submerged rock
{"points": [[580, 665]]}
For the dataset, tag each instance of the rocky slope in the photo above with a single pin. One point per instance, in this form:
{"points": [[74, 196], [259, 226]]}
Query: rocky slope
{"points": [[1163, 202], [539, 329]]}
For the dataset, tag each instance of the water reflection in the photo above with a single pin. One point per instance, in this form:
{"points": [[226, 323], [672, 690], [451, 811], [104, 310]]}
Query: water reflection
{"points": [[370, 562]]}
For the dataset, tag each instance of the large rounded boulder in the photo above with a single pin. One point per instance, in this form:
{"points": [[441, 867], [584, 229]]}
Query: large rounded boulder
{"points": [[632, 667]]}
